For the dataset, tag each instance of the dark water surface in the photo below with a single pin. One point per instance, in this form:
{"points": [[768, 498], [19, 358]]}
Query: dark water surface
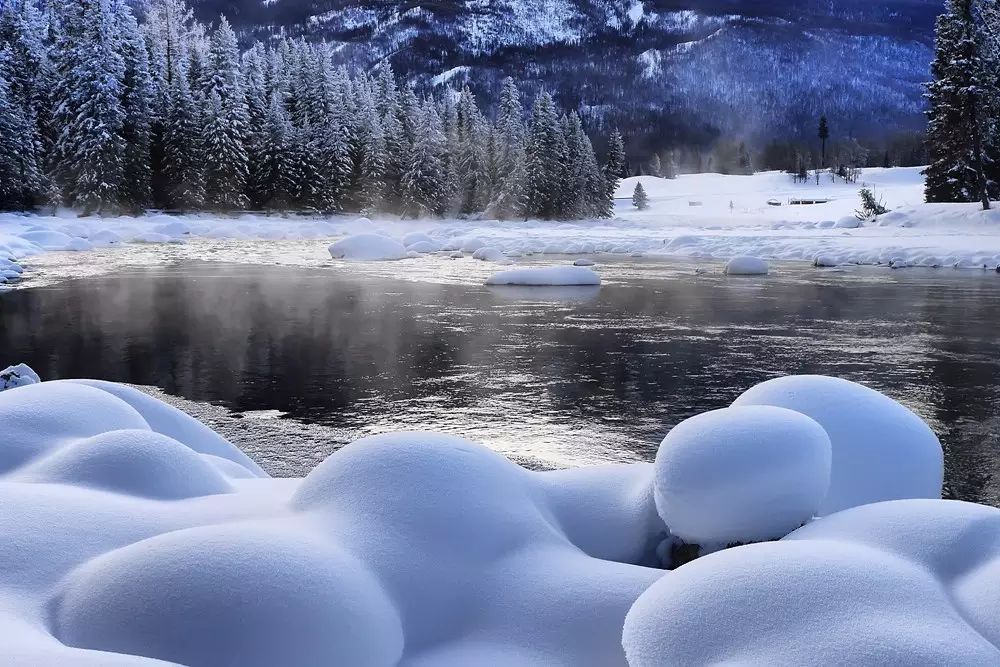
{"points": [[554, 377]]}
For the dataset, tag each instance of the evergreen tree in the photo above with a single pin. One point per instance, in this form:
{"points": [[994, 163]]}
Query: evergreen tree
{"points": [[424, 188], [613, 169], [655, 166], [639, 199], [137, 100], [90, 148], [670, 168], [824, 134], [959, 97], [744, 160], [183, 177], [546, 163]]}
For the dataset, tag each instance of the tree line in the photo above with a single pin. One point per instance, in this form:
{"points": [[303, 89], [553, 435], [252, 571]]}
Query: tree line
{"points": [[107, 112]]}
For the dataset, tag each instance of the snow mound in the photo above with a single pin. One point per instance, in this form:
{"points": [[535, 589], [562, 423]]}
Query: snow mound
{"points": [[555, 275], [105, 237], [231, 595], [744, 265], [368, 247], [18, 375], [881, 450], [414, 238], [847, 222], [741, 474], [135, 462], [48, 239], [79, 245], [906, 583], [823, 261], [471, 244], [489, 254], [424, 247], [583, 262]]}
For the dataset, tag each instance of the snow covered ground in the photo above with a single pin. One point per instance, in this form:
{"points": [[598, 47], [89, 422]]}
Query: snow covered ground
{"points": [[134, 535], [701, 216]]}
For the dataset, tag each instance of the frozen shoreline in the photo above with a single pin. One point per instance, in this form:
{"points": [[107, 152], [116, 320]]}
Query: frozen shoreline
{"points": [[912, 234]]}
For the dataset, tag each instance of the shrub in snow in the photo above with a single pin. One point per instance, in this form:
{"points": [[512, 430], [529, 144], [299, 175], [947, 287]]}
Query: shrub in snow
{"points": [[908, 583], [871, 206], [18, 375], [746, 266], [881, 450], [368, 247], [555, 275], [488, 254], [741, 475]]}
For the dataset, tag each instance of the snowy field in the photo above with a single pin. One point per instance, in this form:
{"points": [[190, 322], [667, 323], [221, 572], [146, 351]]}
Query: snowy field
{"points": [[134, 535], [703, 216]]}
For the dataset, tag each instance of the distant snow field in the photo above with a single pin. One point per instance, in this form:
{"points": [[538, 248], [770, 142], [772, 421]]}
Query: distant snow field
{"points": [[701, 216], [135, 535]]}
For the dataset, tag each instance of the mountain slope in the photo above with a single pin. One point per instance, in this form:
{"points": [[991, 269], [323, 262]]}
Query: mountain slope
{"points": [[691, 69]]}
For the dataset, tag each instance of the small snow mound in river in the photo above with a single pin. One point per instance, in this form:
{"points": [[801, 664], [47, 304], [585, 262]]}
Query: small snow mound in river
{"points": [[906, 583], [583, 262], [744, 265], [414, 238], [881, 450], [368, 247], [424, 247], [554, 275], [48, 239], [821, 261], [489, 254], [741, 475], [19, 375], [471, 244]]}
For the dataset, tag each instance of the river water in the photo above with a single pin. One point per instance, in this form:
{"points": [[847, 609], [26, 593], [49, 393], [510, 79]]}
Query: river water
{"points": [[293, 359]]}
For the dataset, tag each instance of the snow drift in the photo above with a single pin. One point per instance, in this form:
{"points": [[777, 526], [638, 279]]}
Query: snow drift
{"points": [[368, 247], [134, 535]]}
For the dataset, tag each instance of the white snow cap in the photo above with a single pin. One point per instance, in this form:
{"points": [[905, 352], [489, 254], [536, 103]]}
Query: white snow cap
{"points": [[553, 275], [18, 375], [881, 450], [909, 582], [741, 475], [368, 247], [747, 266]]}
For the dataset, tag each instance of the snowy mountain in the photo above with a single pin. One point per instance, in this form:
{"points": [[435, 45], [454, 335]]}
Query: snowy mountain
{"points": [[699, 68]]}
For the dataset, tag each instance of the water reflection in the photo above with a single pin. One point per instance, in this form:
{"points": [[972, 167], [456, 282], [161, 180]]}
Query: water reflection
{"points": [[547, 376]]}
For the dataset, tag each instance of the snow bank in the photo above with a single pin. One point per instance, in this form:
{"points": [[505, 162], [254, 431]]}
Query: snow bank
{"points": [[554, 275], [746, 266], [18, 375], [368, 247], [881, 450], [488, 254], [741, 474], [906, 583]]}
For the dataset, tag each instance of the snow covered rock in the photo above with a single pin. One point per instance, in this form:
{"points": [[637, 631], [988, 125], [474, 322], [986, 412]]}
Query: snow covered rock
{"points": [[847, 222], [907, 582], [821, 261], [79, 245], [417, 237], [744, 265], [555, 275], [881, 450], [18, 375], [424, 247], [583, 262], [741, 474], [255, 595], [368, 247], [47, 239], [471, 244], [105, 237], [489, 254]]}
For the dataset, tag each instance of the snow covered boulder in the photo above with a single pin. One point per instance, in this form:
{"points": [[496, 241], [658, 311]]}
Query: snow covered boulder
{"points": [[368, 247], [424, 247], [881, 450], [583, 262], [825, 261], [741, 474], [471, 244], [417, 237], [79, 245], [847, 222], [18, 375], [908, 582], [252, 595], [105, 237], [47, 239], [555, 275], [489, 254], [744, 265]]}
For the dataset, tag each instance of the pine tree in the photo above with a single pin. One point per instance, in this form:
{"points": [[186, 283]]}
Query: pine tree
{"points": [[546, 163], [90, 148], [639, 199], [183, 176], [824, 134], [137, 100], [655, 166], [670, 168], [613, 169], [958, 127], [424, 188], [744, 160]]}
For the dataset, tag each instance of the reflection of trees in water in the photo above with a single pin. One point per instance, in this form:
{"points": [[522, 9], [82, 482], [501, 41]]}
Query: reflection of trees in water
{"points": [[631, 361]]}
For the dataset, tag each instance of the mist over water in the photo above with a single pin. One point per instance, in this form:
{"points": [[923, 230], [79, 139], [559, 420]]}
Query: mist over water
{"points": [[552, 377]]}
